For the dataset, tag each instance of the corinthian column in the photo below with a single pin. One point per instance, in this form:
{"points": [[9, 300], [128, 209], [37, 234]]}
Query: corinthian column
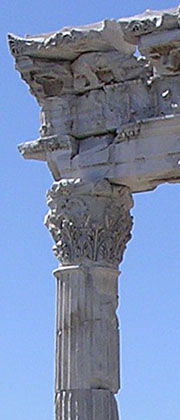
{"points": [[90, 224]]}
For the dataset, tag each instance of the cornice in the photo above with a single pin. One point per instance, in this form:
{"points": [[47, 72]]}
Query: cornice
{"points": [[105, 111], [69, 42]]}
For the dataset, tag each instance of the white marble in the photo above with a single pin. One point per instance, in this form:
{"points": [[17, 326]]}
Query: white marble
{"points": [[110, 111]]}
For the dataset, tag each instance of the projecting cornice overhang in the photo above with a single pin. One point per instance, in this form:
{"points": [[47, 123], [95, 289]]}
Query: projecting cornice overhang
{"points": [[157, 34], [69, 42], [110, 126], [104, 111], [150, 21]]}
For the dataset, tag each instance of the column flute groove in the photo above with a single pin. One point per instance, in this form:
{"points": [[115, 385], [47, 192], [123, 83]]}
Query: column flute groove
{"points": [[90, 224], [111, 119]]}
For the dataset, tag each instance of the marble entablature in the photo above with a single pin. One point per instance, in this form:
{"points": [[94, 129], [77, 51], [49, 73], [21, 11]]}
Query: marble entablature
{"points": [[99, 95], [110, 114]]}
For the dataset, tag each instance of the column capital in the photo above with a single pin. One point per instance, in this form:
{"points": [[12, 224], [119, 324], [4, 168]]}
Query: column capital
{"points": [[89, 222]]}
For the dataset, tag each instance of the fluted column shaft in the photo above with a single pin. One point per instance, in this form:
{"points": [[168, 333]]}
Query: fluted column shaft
{"points": [[90, 224], [87, 349]]}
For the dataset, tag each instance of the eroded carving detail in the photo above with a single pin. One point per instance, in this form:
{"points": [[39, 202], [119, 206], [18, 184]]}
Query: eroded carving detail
{"points": [[128, 132], [141, 27], [148, 22], [95, 70], [92, 224], [157, 35], [90, 86], [37, 149], [17, 45], [166, 59]]}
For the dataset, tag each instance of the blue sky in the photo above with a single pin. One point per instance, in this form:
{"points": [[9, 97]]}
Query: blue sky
{"points": [[150, 281]]}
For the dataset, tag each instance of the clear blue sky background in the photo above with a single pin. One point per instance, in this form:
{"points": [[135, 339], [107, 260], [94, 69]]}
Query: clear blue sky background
{"points": [[150, 281]]}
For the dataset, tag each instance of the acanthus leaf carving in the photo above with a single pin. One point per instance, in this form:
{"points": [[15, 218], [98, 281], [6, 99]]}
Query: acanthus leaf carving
{"points": [[89, 228]]}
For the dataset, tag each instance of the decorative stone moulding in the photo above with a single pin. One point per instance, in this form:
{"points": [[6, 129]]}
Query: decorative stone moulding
{"points": [[90, 223], [104, 110], [157, 35], [110, 115]]}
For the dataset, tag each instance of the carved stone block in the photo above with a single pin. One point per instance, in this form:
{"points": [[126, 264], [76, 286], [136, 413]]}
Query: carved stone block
{"points": [[89, 222], [110, 117]]}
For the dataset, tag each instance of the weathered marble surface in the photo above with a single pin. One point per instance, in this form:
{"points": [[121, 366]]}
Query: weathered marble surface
{"points": [[157, 34], [105, 112], [139, 155], [87, 342], [86, 405], [110, 115], [90, 225], [69, 42], [89, 222]]}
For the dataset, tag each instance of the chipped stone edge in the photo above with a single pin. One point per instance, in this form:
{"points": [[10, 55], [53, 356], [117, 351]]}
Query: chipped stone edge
{"points": [[37, 149]]}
